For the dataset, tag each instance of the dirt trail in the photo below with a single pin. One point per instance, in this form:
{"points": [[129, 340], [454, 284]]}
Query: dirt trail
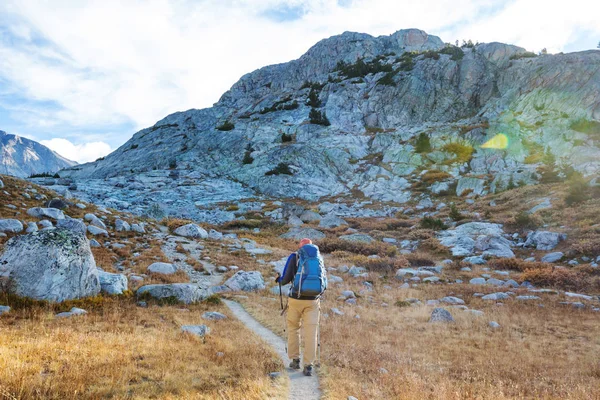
{"points": [[301, 387]]}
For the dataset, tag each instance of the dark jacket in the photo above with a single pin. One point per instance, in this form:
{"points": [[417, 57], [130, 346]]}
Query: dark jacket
{"points": [[289, 272]]}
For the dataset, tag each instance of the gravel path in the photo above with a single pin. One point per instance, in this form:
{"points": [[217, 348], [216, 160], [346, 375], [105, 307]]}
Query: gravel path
{"points": [[301, 387]]}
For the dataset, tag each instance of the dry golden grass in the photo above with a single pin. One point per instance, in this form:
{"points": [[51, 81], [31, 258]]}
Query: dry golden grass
{"points": [[124, 352], [538, 353], [329, 245]]}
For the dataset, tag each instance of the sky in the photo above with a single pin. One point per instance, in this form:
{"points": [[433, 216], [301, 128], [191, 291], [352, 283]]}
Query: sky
{"points": [[83, 76]]}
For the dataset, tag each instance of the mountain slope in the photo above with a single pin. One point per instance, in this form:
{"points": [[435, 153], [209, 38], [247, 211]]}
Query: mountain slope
{"points": [[22, 157], [379, 95]]}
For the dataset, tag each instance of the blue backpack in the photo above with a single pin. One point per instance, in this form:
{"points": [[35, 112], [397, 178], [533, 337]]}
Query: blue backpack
{"points": [[310, 279]]}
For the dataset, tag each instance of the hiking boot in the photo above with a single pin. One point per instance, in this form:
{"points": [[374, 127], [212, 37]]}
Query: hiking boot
{"points": [[308, 369], [295, 364]]}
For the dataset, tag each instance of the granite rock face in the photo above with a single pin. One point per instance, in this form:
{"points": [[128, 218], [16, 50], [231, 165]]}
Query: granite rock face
{"points": [[458, 97]]}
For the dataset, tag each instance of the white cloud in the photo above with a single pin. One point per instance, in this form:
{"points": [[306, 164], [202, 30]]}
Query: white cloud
{"points": [[78, 152], [118, 62]]}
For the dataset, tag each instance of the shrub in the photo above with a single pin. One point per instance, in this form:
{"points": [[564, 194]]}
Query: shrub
{"points": [[318, 118], [134, 146], [423, 144], [579, 191], [286, 138], [455, 215], [589, 247], [586, 126], [419, 259], [382, 264], [328, 245], [515, 264], [173, 164], [559, 278], [527, 54], [226, 126], [456, 52], [388, 79], [431, 54], [244, 224], [433, 223], [432, 176], [42, 175], [361, 68], [248, 159], [523, 221], [174, 223], [313, 99], [280, 169], [462, 152]]}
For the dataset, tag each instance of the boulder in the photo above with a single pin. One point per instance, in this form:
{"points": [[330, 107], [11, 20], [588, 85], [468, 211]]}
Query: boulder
{"points": [[10, 226], [75, 225], [483, 236], [112, 283], [553, 257], [74, 312], [4, 309], [452, 300], [39, 212], [213, 316], [57, 203], [494, 325], [215, 235], [244, 281], [297, 233], [294, 221], [477, 281], [183, 292], [331, 221], [122, 226], [95, 221], [441, 315], [31, 227], [53, 265], [496, 296], [198, 330], [94, 230], [544, 240], [472, 185], [138, 228], [357, 237], [310, 216], [191, 231], [162, 268]]}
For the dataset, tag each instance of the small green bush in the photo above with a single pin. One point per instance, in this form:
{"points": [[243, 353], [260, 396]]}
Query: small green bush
{"points": [[527, 54], [226, 126], [313, 99], [360, 68], [319, 118], [286, 138], [586, 126], [456, 52], [433, 223], [455, 215], [423, 144], [280, 169], [462, 152], [579, 190], [431, 54], [248, 159]]}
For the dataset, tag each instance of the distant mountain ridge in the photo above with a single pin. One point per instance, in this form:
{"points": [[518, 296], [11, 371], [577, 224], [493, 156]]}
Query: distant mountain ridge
{"points": [[23, 157]]}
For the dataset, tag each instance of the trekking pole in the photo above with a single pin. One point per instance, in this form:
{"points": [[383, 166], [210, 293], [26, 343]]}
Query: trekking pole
{"points": [[319, 336], [282, 309]]}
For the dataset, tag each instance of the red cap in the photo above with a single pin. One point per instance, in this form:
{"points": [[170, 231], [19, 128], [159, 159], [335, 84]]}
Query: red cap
{"points": [[305, 241]]}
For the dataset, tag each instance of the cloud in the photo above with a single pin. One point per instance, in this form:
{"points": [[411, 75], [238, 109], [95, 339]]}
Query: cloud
{"points": [[119, 66], [78, 152]]}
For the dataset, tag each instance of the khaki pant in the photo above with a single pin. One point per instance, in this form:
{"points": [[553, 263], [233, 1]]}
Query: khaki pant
{"points": [[305, 313]]}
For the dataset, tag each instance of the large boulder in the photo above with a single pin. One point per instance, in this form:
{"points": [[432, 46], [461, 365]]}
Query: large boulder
{"points": [[95, 221], [191, 231], [553, 257], [162, 268], [298, 233], [53, 265], [544, 240], [482, 236], [72, 224], [10, 225], [243, 281], [331, 221], [40, 212], [441, 315], [122, 226], [112, 283], [357, 237], [182, 292], [57, 203]]}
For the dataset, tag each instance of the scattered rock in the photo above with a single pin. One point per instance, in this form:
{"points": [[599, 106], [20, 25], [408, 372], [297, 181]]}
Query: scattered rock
{"points": [[496, 296], [297, 233], [544, 240], [441, 315], [4, 309], [191, 231], [183, 292], [494, 325], [94, 230], [331, 221], [112, 283], [162, 268], [357, 237], [75, 225], [336, 311], [39, 212], [452, 300], [11, 226], [553, 257], [74, 312], [244, 281], [122, 226], [477, 281], [198, 330], [213, 316]]}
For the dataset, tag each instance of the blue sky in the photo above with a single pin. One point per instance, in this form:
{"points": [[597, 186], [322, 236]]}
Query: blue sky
{"points": [[83, 76]]}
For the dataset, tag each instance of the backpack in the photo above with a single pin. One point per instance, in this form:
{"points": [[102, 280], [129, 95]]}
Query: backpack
{"points": [[310, 279]]}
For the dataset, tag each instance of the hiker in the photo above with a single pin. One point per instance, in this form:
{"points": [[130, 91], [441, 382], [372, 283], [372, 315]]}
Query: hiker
{"points": [[306, 271]]}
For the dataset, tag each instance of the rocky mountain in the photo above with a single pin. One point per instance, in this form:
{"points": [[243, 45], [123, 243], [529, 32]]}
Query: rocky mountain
{"points": [[23, 157], [368, 118]]}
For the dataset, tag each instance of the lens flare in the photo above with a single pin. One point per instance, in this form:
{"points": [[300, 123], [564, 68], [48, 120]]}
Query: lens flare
{"points": [[500, 141]]}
